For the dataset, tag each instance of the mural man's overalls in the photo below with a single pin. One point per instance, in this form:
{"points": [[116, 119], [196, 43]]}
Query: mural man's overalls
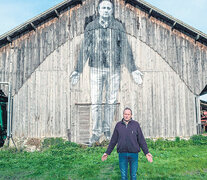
{"points": [[105, 45]]}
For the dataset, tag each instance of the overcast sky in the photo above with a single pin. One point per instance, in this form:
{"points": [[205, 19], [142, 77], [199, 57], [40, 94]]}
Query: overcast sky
{"points": [[16, 12]]}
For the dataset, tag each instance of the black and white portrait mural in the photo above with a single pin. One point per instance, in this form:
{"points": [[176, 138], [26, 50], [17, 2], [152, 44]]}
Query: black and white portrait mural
{"points": [[106, 48]]}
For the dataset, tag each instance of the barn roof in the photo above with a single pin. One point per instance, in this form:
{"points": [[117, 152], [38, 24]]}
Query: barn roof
{"points": [[54, 12]]}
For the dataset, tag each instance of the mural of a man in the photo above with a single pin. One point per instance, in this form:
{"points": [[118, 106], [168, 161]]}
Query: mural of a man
{"points": [[106, 47]]}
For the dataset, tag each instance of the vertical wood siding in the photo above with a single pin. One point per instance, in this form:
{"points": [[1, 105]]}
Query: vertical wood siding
{"points": [[174, 68]]}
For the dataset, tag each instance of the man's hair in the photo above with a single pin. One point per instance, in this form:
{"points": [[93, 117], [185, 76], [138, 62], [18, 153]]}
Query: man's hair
{"points": [[106, 0], [127, 108]]}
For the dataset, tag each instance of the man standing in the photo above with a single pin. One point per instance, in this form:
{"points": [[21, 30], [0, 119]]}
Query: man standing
{"points": [[106, 47], [129, 136]]}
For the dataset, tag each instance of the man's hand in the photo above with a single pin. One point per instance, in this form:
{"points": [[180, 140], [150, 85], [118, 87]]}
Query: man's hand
{"points": [[149, 157], [137, 76], [104, 157], [74, 77]]}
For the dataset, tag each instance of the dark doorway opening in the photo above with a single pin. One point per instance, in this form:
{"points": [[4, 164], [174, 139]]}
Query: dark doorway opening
{"points": [[203, 109], [3, 117]]}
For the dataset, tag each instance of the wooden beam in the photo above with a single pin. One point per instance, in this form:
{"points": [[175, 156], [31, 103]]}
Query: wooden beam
{"points": [[173, 26], [8, 38], [33, 26], [150, 13], [57, 13], [197, 38]]}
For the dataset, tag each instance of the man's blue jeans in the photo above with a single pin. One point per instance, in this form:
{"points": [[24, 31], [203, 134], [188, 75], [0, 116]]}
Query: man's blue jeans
{"points": [[132, 159]]}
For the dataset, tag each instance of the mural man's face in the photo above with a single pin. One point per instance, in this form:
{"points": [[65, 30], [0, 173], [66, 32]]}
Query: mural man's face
{"points": [[105, 9], [127, 115]]}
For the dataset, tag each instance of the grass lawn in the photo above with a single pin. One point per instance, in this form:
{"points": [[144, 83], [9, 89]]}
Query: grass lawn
{"points": [[65, 160]]}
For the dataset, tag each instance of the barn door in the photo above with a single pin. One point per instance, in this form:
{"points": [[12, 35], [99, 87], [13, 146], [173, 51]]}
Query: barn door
{"points": [[84, 121]]}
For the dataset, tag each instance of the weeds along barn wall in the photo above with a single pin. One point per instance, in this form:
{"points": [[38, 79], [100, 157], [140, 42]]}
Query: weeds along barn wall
{"points": [[39, 64]]}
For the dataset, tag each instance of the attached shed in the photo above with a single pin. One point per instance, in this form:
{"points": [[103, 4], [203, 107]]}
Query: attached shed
{"points": [[38, 57]]}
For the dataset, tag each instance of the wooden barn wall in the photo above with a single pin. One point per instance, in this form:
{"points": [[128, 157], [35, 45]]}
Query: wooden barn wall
{"points": [[40, 62]]}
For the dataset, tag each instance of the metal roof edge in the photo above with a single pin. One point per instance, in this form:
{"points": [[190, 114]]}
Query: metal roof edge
{"points": [[153, 11], [33, 19], [54, 10], [172, 18]]}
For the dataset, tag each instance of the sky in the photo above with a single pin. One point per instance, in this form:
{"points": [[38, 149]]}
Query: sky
{"points": [[191, 12], [15, 12]]}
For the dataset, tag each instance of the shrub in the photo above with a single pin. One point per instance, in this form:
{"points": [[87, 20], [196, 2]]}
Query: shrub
{"points": [[199, 140], [51, 142], [161, 144]]}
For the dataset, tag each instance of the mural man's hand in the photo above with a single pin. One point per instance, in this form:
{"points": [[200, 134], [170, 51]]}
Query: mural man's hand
{"points": [[74, 77], [137, 76]]}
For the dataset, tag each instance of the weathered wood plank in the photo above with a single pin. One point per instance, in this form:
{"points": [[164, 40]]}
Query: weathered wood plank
{"points": [[174, 68]]}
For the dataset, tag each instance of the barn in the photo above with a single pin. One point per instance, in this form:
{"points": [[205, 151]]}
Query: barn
{"points": [[69, 74]]}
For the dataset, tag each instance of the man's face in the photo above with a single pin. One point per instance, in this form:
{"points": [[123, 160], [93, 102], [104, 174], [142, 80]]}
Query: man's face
{"points": [[127, 115], [105, 9]]}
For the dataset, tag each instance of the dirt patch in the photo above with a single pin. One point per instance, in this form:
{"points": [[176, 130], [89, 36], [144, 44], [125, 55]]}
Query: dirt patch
{"points": [[34, 142]]}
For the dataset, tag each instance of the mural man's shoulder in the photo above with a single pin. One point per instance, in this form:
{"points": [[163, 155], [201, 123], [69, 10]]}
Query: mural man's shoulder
{"points": [[92, 25], [118, 24]]}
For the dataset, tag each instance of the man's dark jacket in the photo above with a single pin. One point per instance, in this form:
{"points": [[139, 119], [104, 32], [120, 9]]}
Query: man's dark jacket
{"points": [[129, 138]]}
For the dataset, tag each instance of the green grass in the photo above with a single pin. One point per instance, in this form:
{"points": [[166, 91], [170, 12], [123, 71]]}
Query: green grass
{"points": [[178, 159]]}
